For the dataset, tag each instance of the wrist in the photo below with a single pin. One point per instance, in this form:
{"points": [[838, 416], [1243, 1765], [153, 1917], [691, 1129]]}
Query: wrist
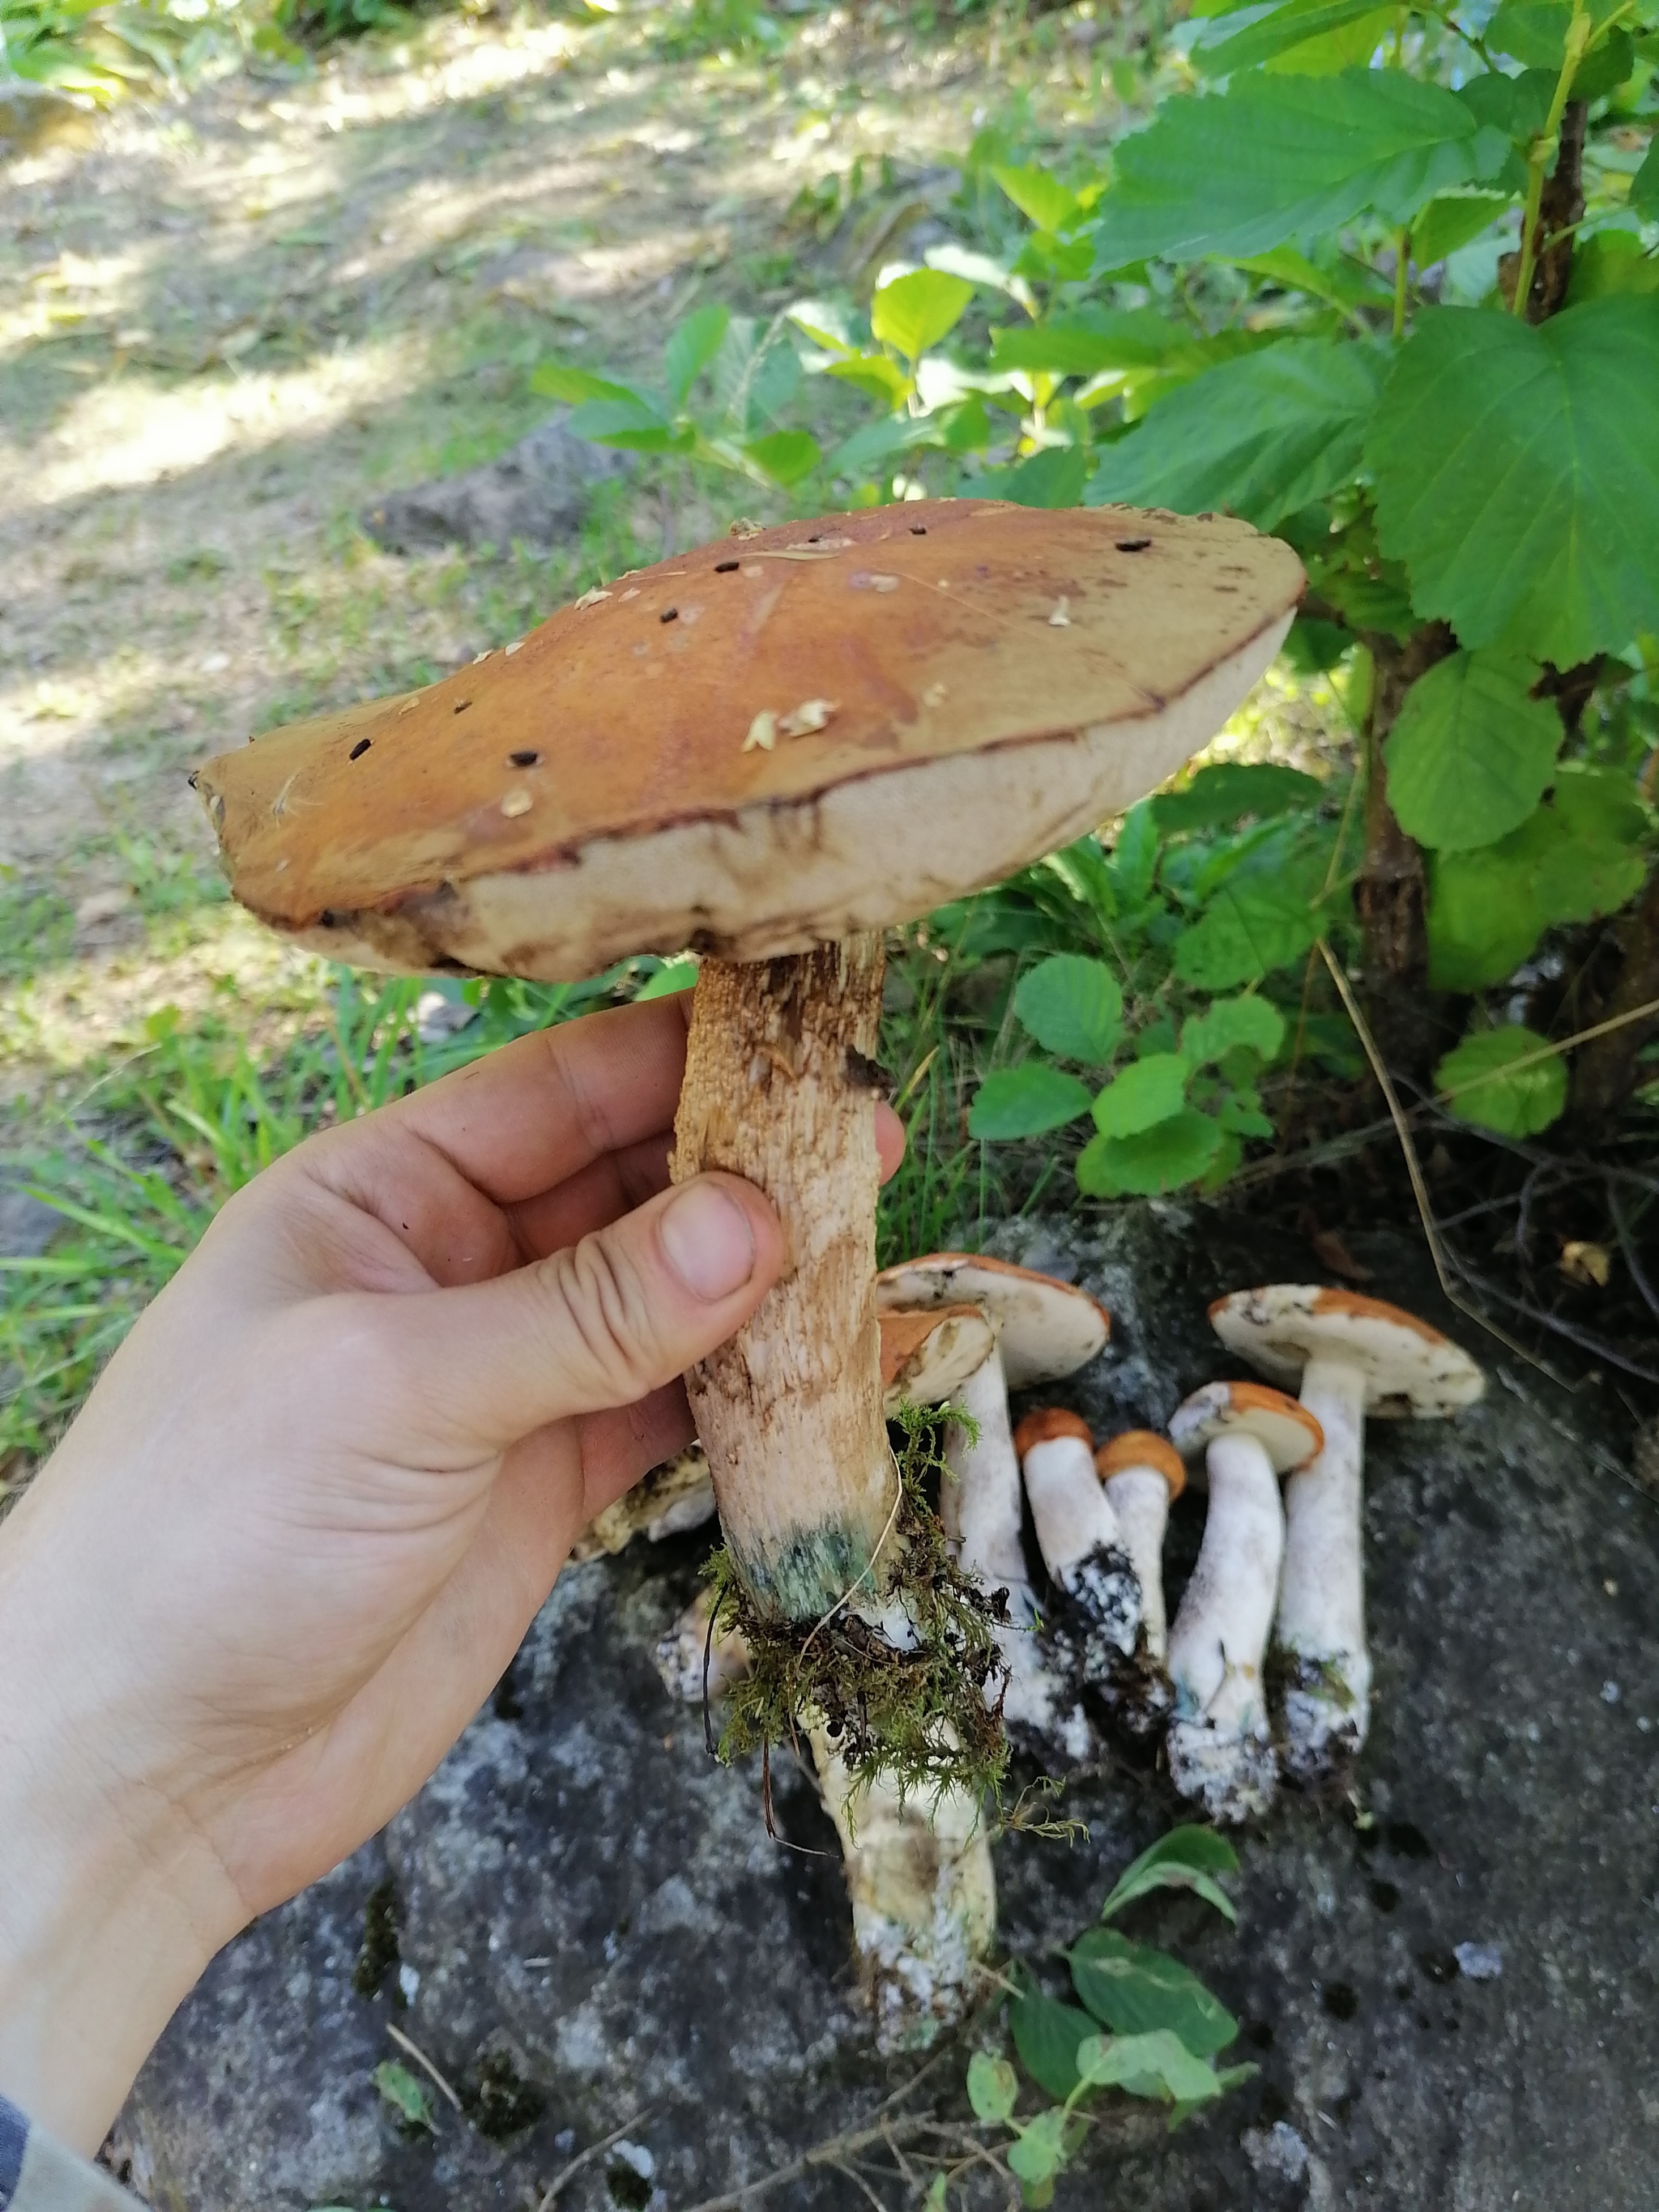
{"points": [[111, 1903]]}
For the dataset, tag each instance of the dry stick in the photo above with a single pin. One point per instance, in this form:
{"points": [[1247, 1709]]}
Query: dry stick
{"points": [[561, 2182], [832, 2153], [404, 2043], [1420, 1189]]}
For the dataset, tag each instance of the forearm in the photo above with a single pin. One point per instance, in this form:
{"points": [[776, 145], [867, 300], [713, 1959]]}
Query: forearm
{"points": [[110, 1906]]}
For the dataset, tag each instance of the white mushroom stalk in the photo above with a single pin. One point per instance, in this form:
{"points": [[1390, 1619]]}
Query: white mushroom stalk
{"points": [[1143, 1475], [1219, 1743], [1353, 1357], [1045, 1329], [1082, 1545]]}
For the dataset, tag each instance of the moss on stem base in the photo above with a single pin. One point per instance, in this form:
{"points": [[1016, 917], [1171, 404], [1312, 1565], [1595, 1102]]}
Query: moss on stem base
{"points": [[926, 1715]]}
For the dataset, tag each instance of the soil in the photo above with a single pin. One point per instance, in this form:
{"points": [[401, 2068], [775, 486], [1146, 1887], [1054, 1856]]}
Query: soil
{"points": [[1446, 1983]]}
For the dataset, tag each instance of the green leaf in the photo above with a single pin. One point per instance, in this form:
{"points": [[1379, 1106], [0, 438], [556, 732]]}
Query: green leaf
{"points": [[1039, 2151], [1531, 32], [1452, 220], [1160, 1159], [1252, 925], [1517, 475], [1231, 789], [1519, 106], [1039, 197], [992, 2087], [1226, 1024], [1146, 1091], [1155, 2064], [1492, 1092], [1470, 753], [1026, 1101], [404, 2092], [556, 379], [1046, 2036], [1053, 477], [1485, 912], [1585, 877], [1278, 157], [786, 456], [690, 350], [915, 312], [1189, 1857], [1134, 1989], [1644, 184], [1287, 28], [673, 977], [1614, 261], [1600, 802], [631, 423], [1263, 435], [1605, 68], [1088, 341], [1135, 854], [1073, 1007]]}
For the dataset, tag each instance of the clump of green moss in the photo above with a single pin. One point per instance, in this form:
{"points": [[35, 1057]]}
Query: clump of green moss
{"points": [[379, 1954], [927, 1719]]}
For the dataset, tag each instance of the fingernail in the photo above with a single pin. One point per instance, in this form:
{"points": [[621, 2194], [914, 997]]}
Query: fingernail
{"points": [[707, 1241]]}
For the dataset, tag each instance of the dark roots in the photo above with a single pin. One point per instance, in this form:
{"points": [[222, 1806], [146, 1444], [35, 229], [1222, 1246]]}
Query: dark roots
{"points": [[926, 1720]]}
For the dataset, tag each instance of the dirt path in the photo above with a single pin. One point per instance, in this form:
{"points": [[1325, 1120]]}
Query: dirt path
{"points": [[228, 322]]}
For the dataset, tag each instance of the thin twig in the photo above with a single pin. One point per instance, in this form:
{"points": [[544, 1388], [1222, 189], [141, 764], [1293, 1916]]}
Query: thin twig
{"points": [[1627, 1246], [841, 2166], [830, 2153], [1414, 1169], [561, 2182], [406, 2043]]}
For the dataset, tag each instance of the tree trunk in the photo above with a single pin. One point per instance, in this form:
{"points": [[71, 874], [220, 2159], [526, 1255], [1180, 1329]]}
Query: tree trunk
{"points": [[1605, 1071], [780, 1078], [1391, 894]]}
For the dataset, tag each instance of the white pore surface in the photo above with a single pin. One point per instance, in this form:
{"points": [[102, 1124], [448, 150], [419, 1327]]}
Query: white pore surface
{"points": [[1140, 1497], [1220, 1632], [1073, 1515], [1322, 1597]]}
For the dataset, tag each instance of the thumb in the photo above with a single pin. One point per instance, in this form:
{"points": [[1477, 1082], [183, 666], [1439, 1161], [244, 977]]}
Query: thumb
{"points": [[600, 1324]]}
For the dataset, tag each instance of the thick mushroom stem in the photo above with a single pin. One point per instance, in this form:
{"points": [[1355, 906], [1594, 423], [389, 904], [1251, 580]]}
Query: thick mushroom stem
{"points": [[1081, 1543], [923, 1895], [780, 1065], [982, 1512], [1319, 1628], [1220, 1747]]}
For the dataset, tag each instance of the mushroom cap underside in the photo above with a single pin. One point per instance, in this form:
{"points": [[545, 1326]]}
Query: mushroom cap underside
{"points": [[1410, 1370], [925, 1356], [1287, 1432], [1046, 1329], [763, 745], [1139, 1448]]}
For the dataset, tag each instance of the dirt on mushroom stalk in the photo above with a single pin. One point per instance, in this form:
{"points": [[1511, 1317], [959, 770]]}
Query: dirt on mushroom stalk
{"points": [[231, 320]]}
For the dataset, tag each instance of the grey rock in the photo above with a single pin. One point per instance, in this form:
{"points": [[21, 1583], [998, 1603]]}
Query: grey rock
{"points": [[535, 493], [26, 1225], [594, 1910], [1479, 1962]]}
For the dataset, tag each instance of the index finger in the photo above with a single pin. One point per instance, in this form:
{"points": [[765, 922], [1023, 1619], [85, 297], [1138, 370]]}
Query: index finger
{"points": [[536, 1111]]}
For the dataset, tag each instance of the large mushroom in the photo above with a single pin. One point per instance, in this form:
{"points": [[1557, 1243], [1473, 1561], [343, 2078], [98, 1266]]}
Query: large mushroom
{"points": [[1350, 1357], [769, 749], [1219, 1744], [1044, 1330]]}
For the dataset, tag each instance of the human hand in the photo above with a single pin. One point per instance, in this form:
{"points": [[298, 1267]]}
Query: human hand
{"points": [[308, 1512]]}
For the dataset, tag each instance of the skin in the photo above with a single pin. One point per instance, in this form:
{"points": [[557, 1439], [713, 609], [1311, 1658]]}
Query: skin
{"points": [[316, 1498]]}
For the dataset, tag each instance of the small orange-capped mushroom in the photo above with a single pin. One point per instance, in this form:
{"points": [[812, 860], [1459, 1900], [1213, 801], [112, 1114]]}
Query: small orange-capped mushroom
{"points": [[1143, 1447], [1048, 1423]]}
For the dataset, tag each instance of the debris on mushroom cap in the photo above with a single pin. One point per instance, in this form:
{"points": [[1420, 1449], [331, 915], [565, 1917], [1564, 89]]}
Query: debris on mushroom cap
{"points": [[1045, 1328], [1143, 1447], [658, 826], [1410, 1370], [1048, 1423], [1287, 1432], [926, 1356]]}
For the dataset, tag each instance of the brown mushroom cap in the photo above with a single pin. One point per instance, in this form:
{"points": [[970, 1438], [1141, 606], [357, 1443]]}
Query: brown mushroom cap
{"points": [[1050, 1422], [763, 745], [1287, 1432], [925, 1356], [1410, 1370], [1046, 1328], [1142, 1448]]}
